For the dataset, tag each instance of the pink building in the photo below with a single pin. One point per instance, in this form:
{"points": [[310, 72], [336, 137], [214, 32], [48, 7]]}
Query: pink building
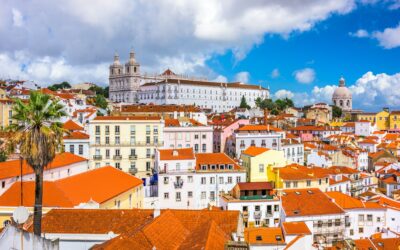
{"points": [[223, 130], [188, 133]]}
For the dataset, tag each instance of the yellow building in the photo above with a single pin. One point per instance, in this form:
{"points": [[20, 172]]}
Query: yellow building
{"points": [[394, 120], [6, 105], [259, 162], [126, 142], [382, 120], [296, 176], [105, 187], [371, 117]]}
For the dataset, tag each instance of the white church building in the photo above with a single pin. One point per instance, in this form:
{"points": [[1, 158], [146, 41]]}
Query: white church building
{"points": [[128, 85]]}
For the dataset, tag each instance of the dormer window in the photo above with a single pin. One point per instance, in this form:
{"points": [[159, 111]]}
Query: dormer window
{"points": [[230, 166], [221, 166], [203, 167], [212, 167]]}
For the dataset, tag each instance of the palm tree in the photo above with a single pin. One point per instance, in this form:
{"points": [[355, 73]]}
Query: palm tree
{"points": [[38, 134]]}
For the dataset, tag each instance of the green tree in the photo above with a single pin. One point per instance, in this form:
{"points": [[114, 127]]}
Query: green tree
{"points": [[100, 101], [3, 156], [63, 85], [336, 112], [258, 102], [243, 103], [38, 136]]}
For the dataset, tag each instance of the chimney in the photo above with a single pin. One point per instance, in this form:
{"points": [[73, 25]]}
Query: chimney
{"points": [[156, 212], [265, 116]]}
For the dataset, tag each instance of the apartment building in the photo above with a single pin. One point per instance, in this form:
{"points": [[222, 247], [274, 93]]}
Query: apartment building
{"points": [[188, 133], [256, 202], [293, 150], [264, 136], [76, 141], [325, 218], [126, 142], [194, 181]]}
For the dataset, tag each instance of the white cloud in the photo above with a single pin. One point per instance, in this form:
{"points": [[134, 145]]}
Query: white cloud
{"points": [[275, 73], [46, 70], [306, 75], [221, 78], [388, 38], [184, 32], [243, 76], [361, 33], [18, 19], [283, 93], [370, 92]]}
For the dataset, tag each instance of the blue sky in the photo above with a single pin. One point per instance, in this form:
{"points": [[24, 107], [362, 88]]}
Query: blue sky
{"points": [[297, 48]]}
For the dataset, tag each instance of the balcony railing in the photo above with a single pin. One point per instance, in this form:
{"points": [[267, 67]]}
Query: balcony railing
{"points": [[97, 157], [129, 144], [133, 170], [245, 215], [178, 183], [257, 215], [117, 157], [268, 214], [256, 197], [132, 157]]}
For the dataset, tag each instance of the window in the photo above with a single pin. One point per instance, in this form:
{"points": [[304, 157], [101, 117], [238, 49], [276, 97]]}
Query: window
{"points": [[308, 183], [117, 141], [190, 179], [320, 181], [178, 196], [133, 140], [203, 195], [337, 222], [117, 152], [117, 130], [212, 196], [97, 140], [257, 208], [107, 140], [221, 180], [229, 180], [237, 179], [107, 154], [97, 130], [107, 130], [166, 180], [190, 194], [203, 180], [148, 131], [118, 165], [212, 180], [204, 136], [133, 129], [295, 184], [351, 232], [204, 148], [196, 148], [72, 149], [287, 184], [326, 180], [360, 230], [276, 208], [178, 166], [378, 219], [155, 130], [196, 136], [369, 217], [148, 151], [261, 168], [360, 217], [166, 195], [80, 149], [3, 184], [147, 139], [148, 167]]}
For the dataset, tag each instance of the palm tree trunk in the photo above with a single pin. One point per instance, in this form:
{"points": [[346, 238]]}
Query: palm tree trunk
{"points": [[37, 216]]}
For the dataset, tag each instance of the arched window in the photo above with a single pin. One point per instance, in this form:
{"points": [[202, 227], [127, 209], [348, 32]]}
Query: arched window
{"points": [[341, 103], [348, 103]]}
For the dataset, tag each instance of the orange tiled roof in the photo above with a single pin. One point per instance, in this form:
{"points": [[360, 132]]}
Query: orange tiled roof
{"points": [[344, 179], [254, 151], [214, 158], [348, 202], [295, 227], [342, 170], [12, 168], [99, 185], [378, 243], [71, 125], [265, 235], [76, 135], [307, 202], [259, 128], [255, 185], [172, 123], [299, 172], [176, 154], [387, 202], [159, 108]]}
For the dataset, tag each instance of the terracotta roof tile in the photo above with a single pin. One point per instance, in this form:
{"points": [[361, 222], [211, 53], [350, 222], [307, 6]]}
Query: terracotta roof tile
{"points": [[299, 172], [266, 235], [12, 168], [99, 185], [295, 227], [126, 118], [254, 151], [76, 135], [308, 202], [348, 202], [255, 185], [214, 159], [259, 128], [176, 154]]}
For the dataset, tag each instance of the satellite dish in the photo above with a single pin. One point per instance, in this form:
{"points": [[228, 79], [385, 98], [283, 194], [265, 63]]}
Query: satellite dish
{"points": [[21, 215]]}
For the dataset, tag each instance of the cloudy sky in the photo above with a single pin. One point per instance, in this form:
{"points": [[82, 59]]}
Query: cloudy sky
{"points": [[297, 48]]}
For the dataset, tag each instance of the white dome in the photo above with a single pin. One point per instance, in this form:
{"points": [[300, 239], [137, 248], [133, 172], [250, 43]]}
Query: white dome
{"points": [[341, 93]]}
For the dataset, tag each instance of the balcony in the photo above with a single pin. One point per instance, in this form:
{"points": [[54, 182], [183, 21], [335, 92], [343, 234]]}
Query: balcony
{"points": [[269, 214], [178, 184], [116, 132], [242, 145], [117, 157], [97, 157], [133, 171], [256, 197], [245, 215], [257, 215], [132, 157], [274, 144]]}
